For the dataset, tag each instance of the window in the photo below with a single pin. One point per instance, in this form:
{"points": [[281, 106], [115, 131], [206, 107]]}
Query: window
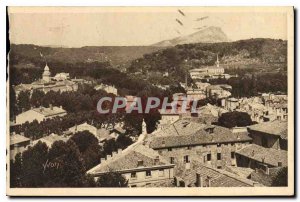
{"points": [[133, 185], [219, 167], [232, 155], [133, 175], [219, 156], [169, 149], [232, 144], [148, 173], [189, 148], [148, 184], [218, 145], [186, 159], [208, 157], [172, 160]]}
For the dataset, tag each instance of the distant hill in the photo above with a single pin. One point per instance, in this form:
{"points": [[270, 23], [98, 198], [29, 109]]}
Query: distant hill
{"points": [[208, 35], [116, 55], [259, 55]]}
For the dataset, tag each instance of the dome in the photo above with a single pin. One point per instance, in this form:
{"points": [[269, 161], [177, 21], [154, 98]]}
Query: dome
{"points": [[46, 68]]}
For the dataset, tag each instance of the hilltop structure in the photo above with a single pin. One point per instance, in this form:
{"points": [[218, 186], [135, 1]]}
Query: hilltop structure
{"points": [[60, 82]]}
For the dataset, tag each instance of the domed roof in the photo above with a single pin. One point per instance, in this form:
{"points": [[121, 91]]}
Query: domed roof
{"points": [[46, 68]]}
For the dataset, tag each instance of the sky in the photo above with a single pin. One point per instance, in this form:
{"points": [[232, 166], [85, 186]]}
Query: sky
{"points": [[116, 26]]}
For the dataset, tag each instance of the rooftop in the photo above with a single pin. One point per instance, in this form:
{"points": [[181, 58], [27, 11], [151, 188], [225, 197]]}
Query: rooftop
{"points": [[50, 139], [16, 138], [264, 155], [278, 128], [205, 135], [129, 159], [48, 111], [218, 177]]}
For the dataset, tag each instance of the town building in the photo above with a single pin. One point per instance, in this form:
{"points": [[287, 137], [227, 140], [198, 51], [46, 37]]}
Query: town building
{"points": [[257, 157], [50, 139], [101, 134], [201, 175], [140, 165], [61, 76], [40, 114], [271, 134], [48, 83], [212, 145], [218, 91], [17, 144], [211, 72], [107, 88]]}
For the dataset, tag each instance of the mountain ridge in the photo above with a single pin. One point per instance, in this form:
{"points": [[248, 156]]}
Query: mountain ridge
{"points": [[210, 34]]}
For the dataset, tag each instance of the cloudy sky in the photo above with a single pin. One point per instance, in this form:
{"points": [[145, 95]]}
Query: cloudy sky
{"points": [[76, 27]]}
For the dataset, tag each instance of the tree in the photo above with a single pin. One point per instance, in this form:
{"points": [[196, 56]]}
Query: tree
{"points": [[36, 98], [23, 101], [281, 179], [69, 170], [89, 148], [112, 179], [32, 165], [12, 103], [232, 119], [15, 171]]}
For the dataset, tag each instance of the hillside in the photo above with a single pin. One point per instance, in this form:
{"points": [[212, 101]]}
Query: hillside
{"points": [[260, 55], [115, 55], [207, 35]]}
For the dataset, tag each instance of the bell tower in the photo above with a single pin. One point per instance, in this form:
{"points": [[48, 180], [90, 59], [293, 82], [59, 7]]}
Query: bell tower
{"points": [[46, 74], [217, 62]]}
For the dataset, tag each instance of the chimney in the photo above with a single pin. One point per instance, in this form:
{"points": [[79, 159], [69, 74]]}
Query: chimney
{"points": [[119, 151], [199, 180], [51, 106], [140, 163], [41, 108], [208, 181], [267, 170], [156, 160], [163, 143], [102, 160], [108, 157], [114, 153]]}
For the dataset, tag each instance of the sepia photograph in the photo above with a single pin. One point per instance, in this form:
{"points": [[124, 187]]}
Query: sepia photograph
{"points": [[150, 101]]}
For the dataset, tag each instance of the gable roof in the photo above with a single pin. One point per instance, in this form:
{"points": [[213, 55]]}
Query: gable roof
{"points": [[48, 111], [264, 155], [50, 139], [128, 160], [276, 127], [16, 139], [200, 137], [218, 177]]}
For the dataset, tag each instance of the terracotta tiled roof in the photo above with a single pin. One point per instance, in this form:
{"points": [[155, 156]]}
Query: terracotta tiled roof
{"points": [[264, 155], [218, 177], [278, 128], [50, 139], [48, 111], [202, 136], [128, 160], [15, 139]]}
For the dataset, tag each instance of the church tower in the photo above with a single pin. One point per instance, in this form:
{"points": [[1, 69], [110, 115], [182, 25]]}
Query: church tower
{"points": [[46, 74], [144, 127], [217, 62]]}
